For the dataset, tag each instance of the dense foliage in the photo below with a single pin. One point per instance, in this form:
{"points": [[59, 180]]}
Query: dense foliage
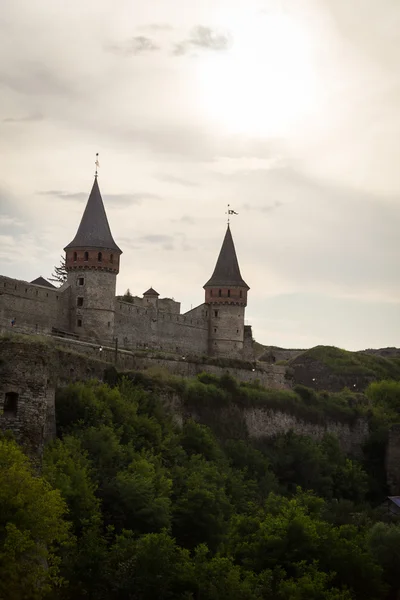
{"points": [[343, 362], [131, 506]]}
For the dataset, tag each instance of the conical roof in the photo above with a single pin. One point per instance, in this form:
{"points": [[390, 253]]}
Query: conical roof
{"points": [[94, 230], [151, 292], [227, 272]]}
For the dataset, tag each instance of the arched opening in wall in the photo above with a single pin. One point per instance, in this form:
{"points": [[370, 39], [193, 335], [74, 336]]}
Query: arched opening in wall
{"points": [[75, 256], [111, 258], [220, 293], [79, 322], [229, 293], [86, 256], [99, 257], [79, 301], [10, 404]]}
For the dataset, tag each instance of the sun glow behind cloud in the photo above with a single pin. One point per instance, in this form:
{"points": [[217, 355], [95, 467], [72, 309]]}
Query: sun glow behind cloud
{"points": [[265, 84]]}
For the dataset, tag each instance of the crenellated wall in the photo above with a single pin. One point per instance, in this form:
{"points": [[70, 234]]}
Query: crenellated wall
{"points": [[145, 327], [36, 308]]}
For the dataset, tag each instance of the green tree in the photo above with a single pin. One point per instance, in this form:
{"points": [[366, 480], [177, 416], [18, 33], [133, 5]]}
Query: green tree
{"points": [[384, 542], [60, 273], [31, 528], [148, 568], [201, 508]]}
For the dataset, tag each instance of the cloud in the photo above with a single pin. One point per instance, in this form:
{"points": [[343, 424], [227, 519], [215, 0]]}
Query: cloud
{"points": [[165, 241], [228, 165], [26, 119], [119, 200], [156, 27], [204, 38], [264, 209], [185, 219], [35, 78], [178, 180], [139, 44]]}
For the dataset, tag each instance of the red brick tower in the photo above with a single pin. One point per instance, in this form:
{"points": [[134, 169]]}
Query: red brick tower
{"points": [[92, 261], [226, 296]]}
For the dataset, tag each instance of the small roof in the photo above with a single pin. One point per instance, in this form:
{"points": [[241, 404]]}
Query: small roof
{"points": [[42, 281], [94, 230], [151, 292], [227, 272]]}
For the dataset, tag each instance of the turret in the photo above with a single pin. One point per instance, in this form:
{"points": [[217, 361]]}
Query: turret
{"points": [[150, 298], [226, 296], [92, 262]]}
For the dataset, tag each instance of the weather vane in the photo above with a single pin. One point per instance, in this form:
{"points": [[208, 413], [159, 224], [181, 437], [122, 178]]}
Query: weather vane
{"points": [[97, 163], [230, 212]]}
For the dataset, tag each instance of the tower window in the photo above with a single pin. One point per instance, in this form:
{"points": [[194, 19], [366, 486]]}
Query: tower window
{"points": [[109, 324], [75, 256], [79, 322], [111, 258], [237, 330], [11, 403], [241, 293], [215, 313], [229, 293], [86, 256], [81, 281], [79, 301], [99, 257], [215, 330], [219, 293], [210, 292]]}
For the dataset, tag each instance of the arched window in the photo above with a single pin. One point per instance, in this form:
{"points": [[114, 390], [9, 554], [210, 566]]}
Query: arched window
{"points": [[99, 257], [11, 403], [111, 258], [75, 256], [86, 256], [241, 293], [210, 292], [229, 293], [219, 293]]}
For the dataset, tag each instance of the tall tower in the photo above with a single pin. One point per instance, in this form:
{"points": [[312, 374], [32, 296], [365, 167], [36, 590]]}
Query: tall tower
{"points": [[92, 261], [226, 296]]}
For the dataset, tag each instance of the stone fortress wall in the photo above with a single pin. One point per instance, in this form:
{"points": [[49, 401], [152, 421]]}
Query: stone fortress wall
{"points": [[136, 325], [31, 370], [36, 308]]}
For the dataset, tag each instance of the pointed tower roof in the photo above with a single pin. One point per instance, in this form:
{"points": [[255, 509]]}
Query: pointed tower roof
{"points": [[227, 272], [151, 292], [94, 230]]}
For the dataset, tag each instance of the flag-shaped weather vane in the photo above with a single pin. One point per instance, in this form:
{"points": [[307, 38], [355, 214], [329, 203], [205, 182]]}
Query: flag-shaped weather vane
{"points": [[230, 212], [97, 164]]}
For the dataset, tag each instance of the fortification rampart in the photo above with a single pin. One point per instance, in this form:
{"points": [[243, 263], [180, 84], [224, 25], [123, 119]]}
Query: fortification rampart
{"points": [[146, 327], [36, 308]]}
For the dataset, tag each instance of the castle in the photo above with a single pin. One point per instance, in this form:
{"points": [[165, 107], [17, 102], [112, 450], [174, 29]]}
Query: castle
{"points": [[86, 308]]}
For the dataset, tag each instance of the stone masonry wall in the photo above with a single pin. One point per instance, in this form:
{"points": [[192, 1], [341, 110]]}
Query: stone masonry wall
{"points": [[94, 318], [141, 327], [226, 330], [268, 423], [36, 308], [25, 371]]}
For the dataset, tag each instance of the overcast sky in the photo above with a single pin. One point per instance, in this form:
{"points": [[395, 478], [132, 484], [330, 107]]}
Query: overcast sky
{"points": [[286, 109]]}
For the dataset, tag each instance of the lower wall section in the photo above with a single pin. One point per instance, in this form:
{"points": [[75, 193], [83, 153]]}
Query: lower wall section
{"points": [[267, 423]]}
